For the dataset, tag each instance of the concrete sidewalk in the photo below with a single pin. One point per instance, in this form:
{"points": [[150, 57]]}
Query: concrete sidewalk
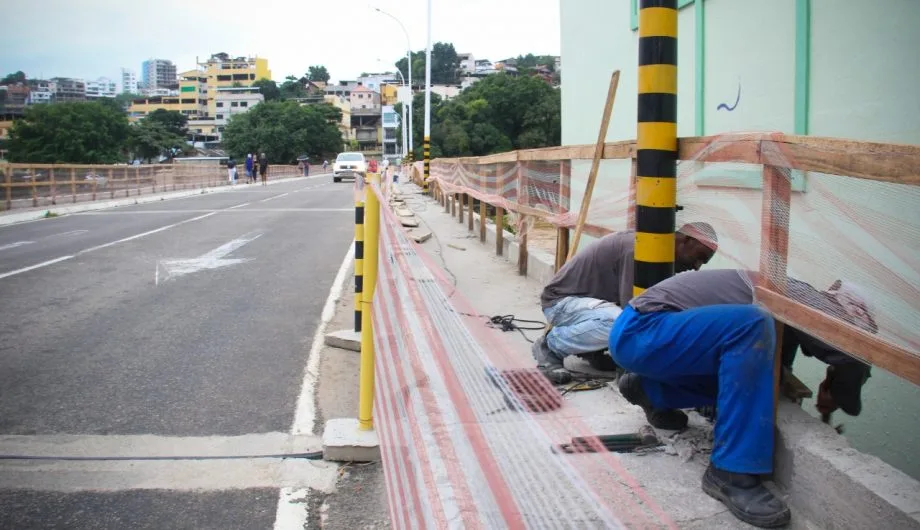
{"points": [[23, 215]]}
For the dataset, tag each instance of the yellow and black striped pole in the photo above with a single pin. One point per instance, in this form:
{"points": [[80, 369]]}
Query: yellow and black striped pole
{"points": [[426, 148], [656, 144], [359, 261]]}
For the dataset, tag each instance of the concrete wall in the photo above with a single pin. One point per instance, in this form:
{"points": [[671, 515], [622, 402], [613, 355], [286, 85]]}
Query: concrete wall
{"points": [[859, 78]]}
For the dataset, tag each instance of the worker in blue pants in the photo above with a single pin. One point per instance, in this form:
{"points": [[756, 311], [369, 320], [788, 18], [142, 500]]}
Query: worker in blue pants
{"points": [[696, 340]]}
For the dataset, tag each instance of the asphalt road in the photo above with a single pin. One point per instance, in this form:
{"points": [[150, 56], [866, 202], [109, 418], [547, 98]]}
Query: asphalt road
{"points": [[103, 332]]}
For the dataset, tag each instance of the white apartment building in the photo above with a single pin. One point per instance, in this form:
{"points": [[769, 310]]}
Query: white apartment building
{"points": [[102, 87], [231, 101], [41, 92], [128, 81]]}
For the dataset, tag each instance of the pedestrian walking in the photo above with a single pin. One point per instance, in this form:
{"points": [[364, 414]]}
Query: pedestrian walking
{"points": [[263, 168], [325, 164]]}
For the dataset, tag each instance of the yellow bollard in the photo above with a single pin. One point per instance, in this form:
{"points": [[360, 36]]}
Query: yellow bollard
{"points": [[371, 237]]}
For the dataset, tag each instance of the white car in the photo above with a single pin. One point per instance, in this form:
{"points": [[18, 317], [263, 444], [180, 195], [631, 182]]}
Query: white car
{"points": [[348, 165]]}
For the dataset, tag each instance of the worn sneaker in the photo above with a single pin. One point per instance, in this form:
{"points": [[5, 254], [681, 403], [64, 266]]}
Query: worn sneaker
{"points": [[746, 497], [630, 386], [549, 365], [600, 361]]}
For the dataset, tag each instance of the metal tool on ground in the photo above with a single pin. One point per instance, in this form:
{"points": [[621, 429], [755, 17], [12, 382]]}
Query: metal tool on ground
{"points": [[645, 438]]}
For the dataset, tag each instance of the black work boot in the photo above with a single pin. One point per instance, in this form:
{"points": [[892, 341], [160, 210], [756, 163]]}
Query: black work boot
{"points": [[549, 365], [600, 361], [746, 497], [670, 419]]}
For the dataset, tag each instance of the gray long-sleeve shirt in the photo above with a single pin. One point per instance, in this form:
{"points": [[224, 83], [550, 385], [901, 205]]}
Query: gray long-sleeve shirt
{"points": [[603, 270]]}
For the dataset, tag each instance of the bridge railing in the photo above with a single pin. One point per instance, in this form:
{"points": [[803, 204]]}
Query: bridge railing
{"points": [[815, 209], [44, 185]]}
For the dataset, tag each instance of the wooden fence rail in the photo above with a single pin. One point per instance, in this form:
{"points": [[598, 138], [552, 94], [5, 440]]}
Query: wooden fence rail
{"points": [[777, 154]]}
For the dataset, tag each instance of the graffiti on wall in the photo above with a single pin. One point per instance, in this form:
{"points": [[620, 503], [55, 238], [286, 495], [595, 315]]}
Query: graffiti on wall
{"points": [[726, 106]]}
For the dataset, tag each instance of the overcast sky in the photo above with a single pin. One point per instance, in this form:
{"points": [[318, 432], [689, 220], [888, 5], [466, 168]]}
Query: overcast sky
{"points": [[93, 38]]}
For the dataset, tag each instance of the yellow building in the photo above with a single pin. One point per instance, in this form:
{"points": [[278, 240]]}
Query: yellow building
{"points": [[222, 71], [388, 94], [197, 96], [344, 105]]}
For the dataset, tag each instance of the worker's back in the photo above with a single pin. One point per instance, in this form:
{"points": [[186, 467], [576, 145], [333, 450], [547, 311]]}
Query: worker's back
{"points": [[603, 270]]}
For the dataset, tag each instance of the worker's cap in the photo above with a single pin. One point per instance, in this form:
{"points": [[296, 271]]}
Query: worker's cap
{"points": [[702, 232], [854, 300]]}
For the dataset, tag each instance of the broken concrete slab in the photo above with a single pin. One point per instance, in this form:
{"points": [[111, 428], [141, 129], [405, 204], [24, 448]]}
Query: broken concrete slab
{"points": [[420, 236], [404, 212], [343, 441], [347, 339], [409, 222]]}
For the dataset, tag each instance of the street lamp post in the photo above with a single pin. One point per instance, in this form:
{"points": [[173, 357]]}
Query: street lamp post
{"points": [[408, 68], [426, 146]]}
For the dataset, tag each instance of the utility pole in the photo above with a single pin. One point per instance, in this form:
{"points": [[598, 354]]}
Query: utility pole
{"points": [[426, 146]]}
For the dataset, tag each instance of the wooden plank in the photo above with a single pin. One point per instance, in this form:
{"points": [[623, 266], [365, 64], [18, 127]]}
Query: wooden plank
{"points": [[73, 184], [482, 221], [896, 163], [34, 188], [631, 207], [562, 247], [843, 336], [509, 156], [137, 179], [522, 249], [111, 182], [596, 162], [460, 199], [53, 187], [499, 230], [8, 172], [469, 211]]}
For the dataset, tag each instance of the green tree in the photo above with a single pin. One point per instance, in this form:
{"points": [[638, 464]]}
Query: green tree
{"points": [[70, 133], [444, 65], [268, 88], [292, 88], [318, 73], [124, 100], [149, 139], [15, 77], [172, 120], [284, 130]]}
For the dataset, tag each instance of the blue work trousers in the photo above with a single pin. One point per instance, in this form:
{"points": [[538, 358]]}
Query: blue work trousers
{"points": [[715, 355]]}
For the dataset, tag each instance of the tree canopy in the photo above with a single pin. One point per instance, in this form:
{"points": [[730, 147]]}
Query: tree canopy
{"points": [[499, 113], [445, 65], [12, 79], [149, 139], [284, 130], [268, 88], [172, 120], [70, 133], [318, 73]]}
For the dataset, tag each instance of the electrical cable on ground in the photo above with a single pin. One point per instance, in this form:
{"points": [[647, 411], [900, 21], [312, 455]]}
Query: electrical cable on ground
{"points": [[314, 455]]}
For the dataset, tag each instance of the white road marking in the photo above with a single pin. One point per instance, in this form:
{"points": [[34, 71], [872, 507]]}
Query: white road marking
{"points": [[226, 210], [292, 510], [275, 197], [214, 259], [16, 244], [292, 506], [99, 247], [238, 206], [36, 266], [71, 233], [145, 234]]}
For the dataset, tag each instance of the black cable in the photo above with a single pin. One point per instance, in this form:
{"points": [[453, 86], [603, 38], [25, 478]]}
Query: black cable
{"points": [[315, 455], [508, 323]]}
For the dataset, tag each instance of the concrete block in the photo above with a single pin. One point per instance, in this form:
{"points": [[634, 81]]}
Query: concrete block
{"points": [[347, 339], [409, 222], [420, 236], [344, 442], [404, 212]]}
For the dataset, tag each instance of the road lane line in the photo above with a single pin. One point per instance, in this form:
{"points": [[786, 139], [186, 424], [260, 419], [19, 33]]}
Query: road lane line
{"points": [[145, 234], [36, 266], [16, 244], [104, 245], [238, 206], [275, 197]]}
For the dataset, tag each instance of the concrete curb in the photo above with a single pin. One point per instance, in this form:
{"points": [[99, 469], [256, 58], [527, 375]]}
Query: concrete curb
{"points": [[824, 478], [32, 214]]}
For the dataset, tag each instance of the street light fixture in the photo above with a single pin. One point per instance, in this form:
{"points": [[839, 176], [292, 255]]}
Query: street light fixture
{"points": [[408, 67]]}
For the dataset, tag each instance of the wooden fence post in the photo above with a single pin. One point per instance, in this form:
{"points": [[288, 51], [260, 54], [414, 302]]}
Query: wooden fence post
{"points": [[137, 180], [631, 206], [34, 187], [774, 252], [53, 187], [460, 198], [522, 239], [73, 184], [111, 184], [469, 212], [562, 232], [9, 186]]}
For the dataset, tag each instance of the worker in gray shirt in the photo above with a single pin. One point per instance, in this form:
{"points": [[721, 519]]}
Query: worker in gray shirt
{"points": [[587, 294], [697, 339]]}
